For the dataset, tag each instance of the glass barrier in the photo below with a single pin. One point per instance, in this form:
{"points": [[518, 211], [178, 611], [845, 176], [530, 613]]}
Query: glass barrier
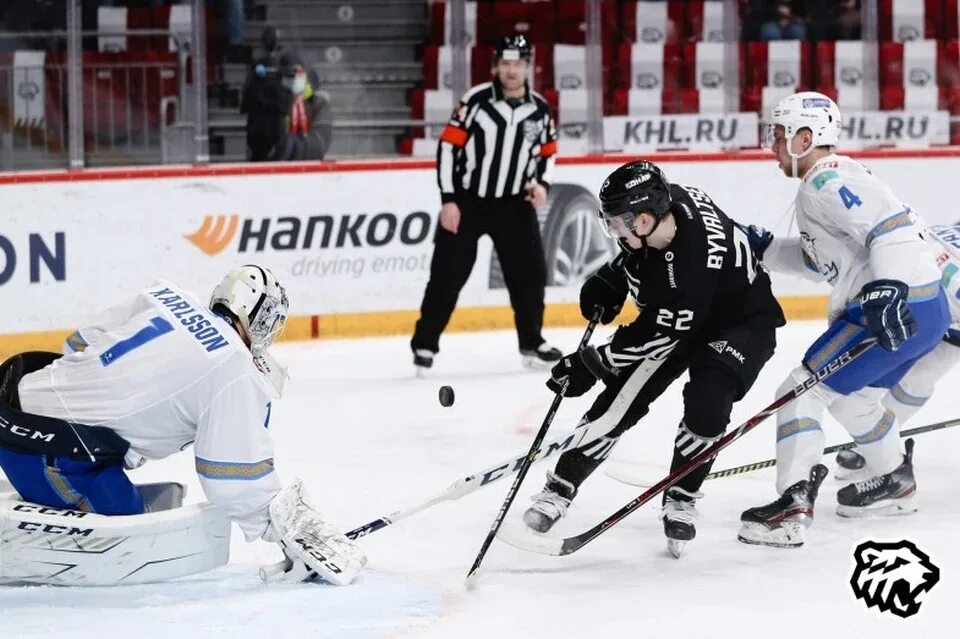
{"points": [[288, 80]]}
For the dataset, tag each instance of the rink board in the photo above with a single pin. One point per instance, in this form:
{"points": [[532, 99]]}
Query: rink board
{"points": [[351, 241]]}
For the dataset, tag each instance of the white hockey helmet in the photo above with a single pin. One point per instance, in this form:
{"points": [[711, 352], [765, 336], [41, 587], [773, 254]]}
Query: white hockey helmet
{"points": [[255, 297], [805, 110]]}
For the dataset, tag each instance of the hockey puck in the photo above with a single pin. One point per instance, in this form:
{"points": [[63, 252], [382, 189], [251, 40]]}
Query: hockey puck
{"points": [[446, 396]]}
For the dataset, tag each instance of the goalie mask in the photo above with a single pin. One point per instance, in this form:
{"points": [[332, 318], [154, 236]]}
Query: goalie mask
{"points": [[254, 297]]}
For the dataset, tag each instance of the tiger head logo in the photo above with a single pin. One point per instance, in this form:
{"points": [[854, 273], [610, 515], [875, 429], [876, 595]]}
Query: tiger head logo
{"points": [[893, 576]]}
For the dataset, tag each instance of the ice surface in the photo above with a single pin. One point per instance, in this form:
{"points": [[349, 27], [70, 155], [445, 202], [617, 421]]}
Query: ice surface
{"points": [[368, 439]]}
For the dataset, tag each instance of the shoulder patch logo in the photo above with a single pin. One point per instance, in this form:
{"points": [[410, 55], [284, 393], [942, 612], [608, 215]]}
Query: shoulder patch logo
{"points": [[718, 346], [892, 576], [822, 178]]}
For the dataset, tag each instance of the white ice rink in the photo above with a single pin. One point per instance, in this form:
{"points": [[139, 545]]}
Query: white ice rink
{"points": [[368, 439]]}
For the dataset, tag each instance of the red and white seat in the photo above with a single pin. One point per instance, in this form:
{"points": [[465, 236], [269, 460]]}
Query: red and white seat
{"points": [[909, 69], [705, 68], [840, 72], [535, 20], [906, 20], [569, 67], [774, 70], [440, 23], [705, 20], [652, 22]]}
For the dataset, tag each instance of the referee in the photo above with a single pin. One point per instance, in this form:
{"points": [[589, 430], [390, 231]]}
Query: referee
{"points": [[494, 163]]}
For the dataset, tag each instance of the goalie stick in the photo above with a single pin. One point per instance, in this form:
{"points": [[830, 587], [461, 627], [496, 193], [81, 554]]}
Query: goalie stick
{"points": [[521, 538], [769, 463]]}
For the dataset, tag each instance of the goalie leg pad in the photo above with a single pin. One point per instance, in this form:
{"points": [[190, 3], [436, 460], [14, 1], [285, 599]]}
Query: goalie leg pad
{"points": [[59, 546], [310, 542]]}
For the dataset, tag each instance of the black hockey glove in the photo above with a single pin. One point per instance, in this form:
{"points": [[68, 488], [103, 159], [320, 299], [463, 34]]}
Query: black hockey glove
{"points": [[758, 237], [606, 289], [889, 319], [572, 368]]}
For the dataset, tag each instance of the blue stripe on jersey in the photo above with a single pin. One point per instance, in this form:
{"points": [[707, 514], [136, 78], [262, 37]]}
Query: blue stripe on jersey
{"points": [[234, 470], [892, 223]]}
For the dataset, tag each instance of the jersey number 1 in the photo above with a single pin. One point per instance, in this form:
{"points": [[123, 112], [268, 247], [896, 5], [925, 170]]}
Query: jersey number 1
{"points": [[158, 326]]}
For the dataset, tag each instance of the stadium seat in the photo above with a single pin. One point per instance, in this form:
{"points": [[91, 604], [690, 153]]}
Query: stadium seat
{"points": [[783, 63], [648, 66], [532, 19], [570, 25], [910, 65], [906, 20], [440, 23], [839, 72], [653, 22], [705, 20]]}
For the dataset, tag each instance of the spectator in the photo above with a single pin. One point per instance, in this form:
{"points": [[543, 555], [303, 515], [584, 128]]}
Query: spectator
{"points": [[310, 121], [781, 22], [847, 21], [265, 101], [834, 19]]}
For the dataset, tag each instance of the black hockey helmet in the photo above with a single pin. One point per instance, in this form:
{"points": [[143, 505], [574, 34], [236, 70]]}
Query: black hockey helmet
{"points": [[513, 47], [635, 187]]}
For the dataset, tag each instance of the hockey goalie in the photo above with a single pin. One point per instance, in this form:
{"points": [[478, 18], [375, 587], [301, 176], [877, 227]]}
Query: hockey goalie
{"points": [[147, 379]]}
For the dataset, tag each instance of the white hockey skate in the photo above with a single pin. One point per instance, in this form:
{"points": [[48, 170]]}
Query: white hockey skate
{"points": [[679, 514], [549, 505]]}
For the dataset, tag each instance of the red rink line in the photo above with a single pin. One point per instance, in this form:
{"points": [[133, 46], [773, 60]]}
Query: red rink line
{"points": [[293, 168]]}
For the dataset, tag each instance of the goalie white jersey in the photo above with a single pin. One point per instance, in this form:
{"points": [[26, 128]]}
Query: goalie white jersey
{"points": [[853, 230], [163, 372]]}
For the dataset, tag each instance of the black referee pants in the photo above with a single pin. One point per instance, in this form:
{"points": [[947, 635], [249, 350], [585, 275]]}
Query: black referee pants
{"points": [[512, 225]]}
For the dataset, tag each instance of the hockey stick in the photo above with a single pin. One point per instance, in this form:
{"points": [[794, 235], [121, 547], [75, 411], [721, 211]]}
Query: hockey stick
{"points": [[462, 487], [528, 460], [525, 540], [769, 463]]}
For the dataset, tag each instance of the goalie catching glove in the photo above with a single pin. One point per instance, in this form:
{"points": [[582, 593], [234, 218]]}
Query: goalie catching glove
{"points": [[312, 548]]}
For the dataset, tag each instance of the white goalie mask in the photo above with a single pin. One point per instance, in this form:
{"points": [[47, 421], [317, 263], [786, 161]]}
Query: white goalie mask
{"points": [[255, 296]]}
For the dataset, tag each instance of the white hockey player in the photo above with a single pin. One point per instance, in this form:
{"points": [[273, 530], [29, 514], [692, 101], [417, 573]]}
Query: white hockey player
{"points": [[147, 379], [856, 234], [908, 395]]}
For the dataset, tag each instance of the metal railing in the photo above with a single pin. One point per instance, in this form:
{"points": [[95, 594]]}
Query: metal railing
{"points": [[118, 110]]}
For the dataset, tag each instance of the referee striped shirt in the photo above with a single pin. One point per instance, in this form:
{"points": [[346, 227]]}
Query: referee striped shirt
{"points": [[492, 148]]}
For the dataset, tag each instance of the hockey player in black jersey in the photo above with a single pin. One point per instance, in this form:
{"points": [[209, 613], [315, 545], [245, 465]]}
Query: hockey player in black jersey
{"points": [[705, 307]]}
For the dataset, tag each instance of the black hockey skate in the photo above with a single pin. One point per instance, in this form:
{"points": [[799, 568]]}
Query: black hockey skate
{"points": [[884, 495], [542, 357], [679, 514], [781, 524], [850, 464], [422, 360], [550, 505]]}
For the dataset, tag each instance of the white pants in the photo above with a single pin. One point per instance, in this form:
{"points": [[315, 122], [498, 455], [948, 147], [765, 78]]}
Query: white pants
{"points": [[871, 415]]}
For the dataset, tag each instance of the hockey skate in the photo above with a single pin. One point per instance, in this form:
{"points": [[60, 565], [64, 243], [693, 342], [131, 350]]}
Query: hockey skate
{"points": [[422, 361], [679, 514], [550, 505], [542, 357], [884, 495], [850, 465], [781, 523]]}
